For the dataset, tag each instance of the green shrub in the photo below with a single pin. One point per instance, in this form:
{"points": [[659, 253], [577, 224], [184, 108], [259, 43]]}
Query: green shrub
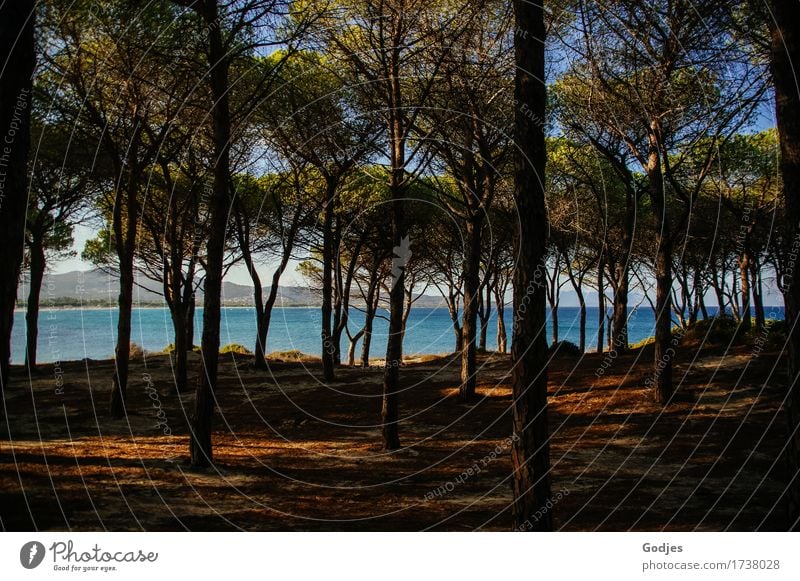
{"points": [[236, 349], [137, 352], [719, 330], [565, 348], [293, 355], [643, 343], [170, 349]]}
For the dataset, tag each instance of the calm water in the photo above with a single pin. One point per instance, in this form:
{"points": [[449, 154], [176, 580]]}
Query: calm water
{"points": [[72, 334]]}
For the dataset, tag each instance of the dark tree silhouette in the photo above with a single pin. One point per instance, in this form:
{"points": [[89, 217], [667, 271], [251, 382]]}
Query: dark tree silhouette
{"points": [[17, 61], [531, 449]]}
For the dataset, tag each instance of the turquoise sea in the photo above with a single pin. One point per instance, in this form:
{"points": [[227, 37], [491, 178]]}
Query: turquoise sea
{"points": [[72, 334]]}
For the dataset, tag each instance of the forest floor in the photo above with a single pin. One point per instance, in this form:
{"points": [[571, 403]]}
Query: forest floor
{"points": [[294, 454]]}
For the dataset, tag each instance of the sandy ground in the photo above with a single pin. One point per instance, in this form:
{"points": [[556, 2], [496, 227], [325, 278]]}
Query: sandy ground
{"points": [[294, 454]]}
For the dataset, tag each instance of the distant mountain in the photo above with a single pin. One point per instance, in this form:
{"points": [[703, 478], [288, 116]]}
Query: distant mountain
{"points": [[95, 287]]}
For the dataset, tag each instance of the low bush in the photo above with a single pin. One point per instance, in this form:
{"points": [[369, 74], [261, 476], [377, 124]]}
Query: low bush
{"points": [[566, 348], [236, 349]]}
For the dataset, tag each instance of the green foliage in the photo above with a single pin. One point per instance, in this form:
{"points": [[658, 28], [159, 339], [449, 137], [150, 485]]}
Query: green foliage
{"points": [[170, 349], [236, 349], [716, 331], [100, 250], [566, 348], [137, 351], [643, 343], [293, 355]]}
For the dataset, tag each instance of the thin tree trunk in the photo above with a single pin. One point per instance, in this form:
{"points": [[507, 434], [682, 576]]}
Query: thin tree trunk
{"points": [[619, 322], [328, 349], [471, 276], [785, 56], [38, 265], [554, 320], [582, 306], [662, 368], [758, 295], [181, 361], [601, 307], [201, 426], [502, 335], [485, 315], [744, 276], [119, 382], [530, 454], [720, 294], [394, 344], [190, 310], [700, 289], [735, 309], [373, 296]]}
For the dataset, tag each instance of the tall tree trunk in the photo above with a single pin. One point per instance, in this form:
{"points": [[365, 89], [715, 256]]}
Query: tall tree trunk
{"points": [[343, 300], [601, 307], [373, 297], [744, 276], [397, 189], [17, 48], [530, 454], [38, 265], [351, 350], [179, 323], [718, 292], [328, 349], [502, 335], [200, 443], [619, 322], [190, 311], [785, 56], [582, 306], [758, 294], [260, 361], [485, 315], [693, 298], [272, 297], [554, 321], [126, 245], [701, 301], [662, 368], [472, 258]]}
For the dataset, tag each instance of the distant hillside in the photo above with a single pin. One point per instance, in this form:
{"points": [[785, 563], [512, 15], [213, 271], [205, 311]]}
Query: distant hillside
{"points": [[96, 288]]}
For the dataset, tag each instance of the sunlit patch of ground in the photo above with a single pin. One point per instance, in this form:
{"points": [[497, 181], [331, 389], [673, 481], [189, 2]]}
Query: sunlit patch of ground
{"points": [[292, 453]]}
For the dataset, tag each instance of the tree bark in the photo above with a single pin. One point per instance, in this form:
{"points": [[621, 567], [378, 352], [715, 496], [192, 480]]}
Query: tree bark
{"points": [[715, 284], [485, 314], [17, 46], [619, 322], [201, 425], [601, 307], [328, 349], [397, 191], [530, 454], [126, 248], [758, 294], [662, 369], [472, 258], [38, 265], [785, 56], [373, 296], [744, 276], [181, 348], [502, 335]]}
